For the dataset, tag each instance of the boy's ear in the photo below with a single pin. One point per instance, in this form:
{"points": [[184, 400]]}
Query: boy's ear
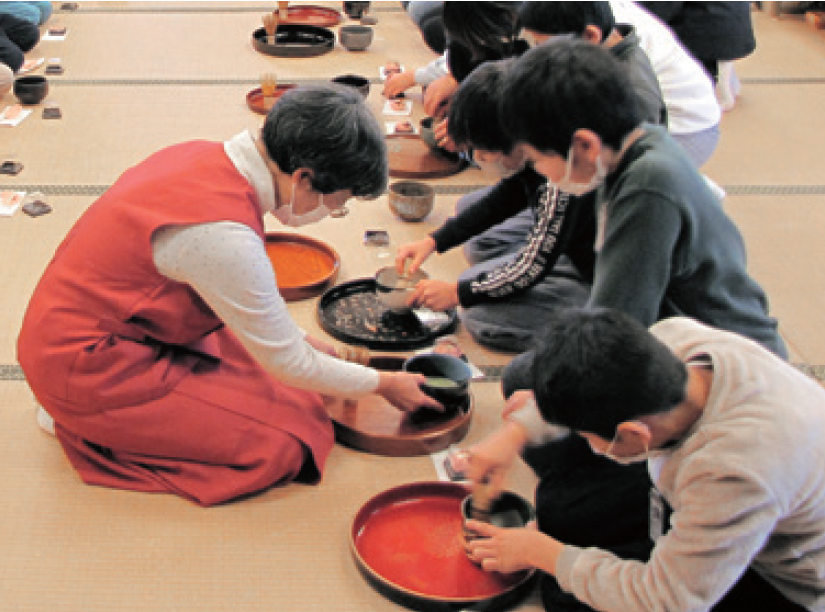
{"points": [[586, 144], [629, 431], [593, 34]]}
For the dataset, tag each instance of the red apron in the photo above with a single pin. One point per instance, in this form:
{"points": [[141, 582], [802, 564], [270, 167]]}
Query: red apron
{"points": [[149, 390]]}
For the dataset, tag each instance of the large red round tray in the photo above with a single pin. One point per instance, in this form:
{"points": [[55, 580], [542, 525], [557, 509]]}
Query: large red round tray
{"points": [[407, 543], [304, 267]]}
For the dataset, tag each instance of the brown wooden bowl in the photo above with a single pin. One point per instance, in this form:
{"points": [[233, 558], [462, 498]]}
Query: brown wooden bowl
{"points": [[304, 267]]}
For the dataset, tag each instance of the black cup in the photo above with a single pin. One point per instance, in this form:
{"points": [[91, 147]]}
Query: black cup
{"points": [[355, 10], [357, 82], [31, 89]]}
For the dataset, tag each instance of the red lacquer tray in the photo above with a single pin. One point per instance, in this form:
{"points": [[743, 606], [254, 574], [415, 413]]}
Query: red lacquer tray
{"points": [[304, 267], [373, 425], [407, 543], [312, 15], [257, 103], [410, 157]]}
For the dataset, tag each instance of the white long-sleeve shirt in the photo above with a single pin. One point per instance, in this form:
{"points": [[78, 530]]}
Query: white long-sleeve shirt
{"points": [[687, 90], [227, 265]]}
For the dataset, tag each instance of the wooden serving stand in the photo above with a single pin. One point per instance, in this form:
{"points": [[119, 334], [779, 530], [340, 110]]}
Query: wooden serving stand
{"points": [[373, 425]]}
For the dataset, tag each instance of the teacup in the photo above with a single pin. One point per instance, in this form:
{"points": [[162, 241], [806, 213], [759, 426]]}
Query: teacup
{"points": [[31, 89]]}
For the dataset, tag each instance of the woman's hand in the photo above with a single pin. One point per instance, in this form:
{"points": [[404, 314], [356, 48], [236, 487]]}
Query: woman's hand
{"points": [[398, 84], [403, 390], [438, 94], [435, 294], [417, 251], [511, 550]]}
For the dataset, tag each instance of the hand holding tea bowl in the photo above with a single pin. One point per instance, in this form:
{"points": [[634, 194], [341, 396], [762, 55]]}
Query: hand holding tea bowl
{"points": [[31, 89], [448, 377], [395, 289], [507, 541]]}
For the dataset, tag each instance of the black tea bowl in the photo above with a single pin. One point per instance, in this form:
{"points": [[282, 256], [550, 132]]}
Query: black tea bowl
{"points": [[360, 83], [448, 377], [31, 89]]}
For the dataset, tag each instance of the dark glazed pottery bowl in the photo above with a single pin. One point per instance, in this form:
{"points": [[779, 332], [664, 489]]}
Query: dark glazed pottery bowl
{"points": [[356, 10], [356, 81], [355, 37], [31, 89], [448, 377]]}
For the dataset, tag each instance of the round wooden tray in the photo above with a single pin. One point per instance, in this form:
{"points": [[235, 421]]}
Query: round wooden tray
{"points": [[295, 40], [256, 102], [411, 157], [304, 267], [351, 312], [407, 542], [311, 15], [373, 425]]}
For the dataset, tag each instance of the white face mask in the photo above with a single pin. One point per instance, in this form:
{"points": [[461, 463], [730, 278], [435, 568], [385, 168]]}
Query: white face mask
{"points": [[565, 185], [497, 169], [638, 458], [285, 214]]}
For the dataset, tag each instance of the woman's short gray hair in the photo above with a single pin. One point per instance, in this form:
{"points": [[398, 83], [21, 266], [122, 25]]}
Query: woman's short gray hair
{"points": [[328, 129]]}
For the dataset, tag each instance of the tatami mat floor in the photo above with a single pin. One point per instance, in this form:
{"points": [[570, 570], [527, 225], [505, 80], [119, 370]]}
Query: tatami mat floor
{"points": [[142, 75]]}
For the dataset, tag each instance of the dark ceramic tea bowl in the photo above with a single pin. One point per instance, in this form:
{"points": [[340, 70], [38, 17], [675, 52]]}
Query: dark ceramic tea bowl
{"points": [[31, 89], [448, 377], [355, 37], [356, 81]]}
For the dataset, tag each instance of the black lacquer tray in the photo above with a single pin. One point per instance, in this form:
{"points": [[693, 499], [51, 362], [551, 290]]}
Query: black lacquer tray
{"points": [[353, 313], [295, 41]]}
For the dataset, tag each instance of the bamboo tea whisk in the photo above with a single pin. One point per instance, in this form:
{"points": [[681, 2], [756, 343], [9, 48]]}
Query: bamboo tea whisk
{"points": [[271, 26], [269, 87]]}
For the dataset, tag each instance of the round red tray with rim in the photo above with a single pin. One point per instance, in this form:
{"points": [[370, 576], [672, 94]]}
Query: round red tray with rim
{"points": [[308, 14], [407, 542], [304, 267], [258, 104]]}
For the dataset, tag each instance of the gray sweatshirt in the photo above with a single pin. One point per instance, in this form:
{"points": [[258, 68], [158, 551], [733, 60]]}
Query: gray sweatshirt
{"points": [[746, 484]]}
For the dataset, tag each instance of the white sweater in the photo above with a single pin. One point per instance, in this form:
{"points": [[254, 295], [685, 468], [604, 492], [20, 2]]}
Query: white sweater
{"points": [[686, 89], [746, 484]]}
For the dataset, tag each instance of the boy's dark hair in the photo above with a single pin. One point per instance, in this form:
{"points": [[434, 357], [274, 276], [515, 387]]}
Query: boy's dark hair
{"points": [[485, 29], [330, 130], [554, 18], [595, 369], [474, 120], [563, 86]]}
